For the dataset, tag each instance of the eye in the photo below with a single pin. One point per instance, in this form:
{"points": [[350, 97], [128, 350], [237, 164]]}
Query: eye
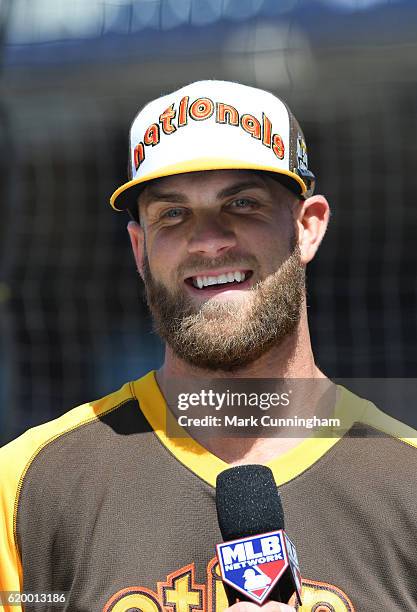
{"points": [[173, 213], [243, 204]]}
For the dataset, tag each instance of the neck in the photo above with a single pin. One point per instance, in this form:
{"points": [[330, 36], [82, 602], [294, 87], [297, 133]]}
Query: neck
{"points": [[292, 358]]}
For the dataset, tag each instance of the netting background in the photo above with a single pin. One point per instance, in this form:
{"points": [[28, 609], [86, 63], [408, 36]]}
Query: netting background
{"points": [[73, 323]]}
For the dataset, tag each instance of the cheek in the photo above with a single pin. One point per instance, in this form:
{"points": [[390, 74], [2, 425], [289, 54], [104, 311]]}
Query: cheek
{"points": [[270, 244], [163, 255]]}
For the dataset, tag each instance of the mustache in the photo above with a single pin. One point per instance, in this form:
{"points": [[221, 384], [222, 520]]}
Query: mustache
{"points": [[200, 263]]}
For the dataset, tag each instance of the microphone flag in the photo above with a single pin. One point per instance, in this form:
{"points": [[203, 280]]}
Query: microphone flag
{"points": [[257, 565]]}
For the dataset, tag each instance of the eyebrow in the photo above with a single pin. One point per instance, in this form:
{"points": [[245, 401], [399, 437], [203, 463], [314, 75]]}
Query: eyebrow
{"points": [[159, 195], [240, 186]]}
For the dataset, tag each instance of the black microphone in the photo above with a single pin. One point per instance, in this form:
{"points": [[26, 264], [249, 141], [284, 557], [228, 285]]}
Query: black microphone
{"points": [[257, 560]]}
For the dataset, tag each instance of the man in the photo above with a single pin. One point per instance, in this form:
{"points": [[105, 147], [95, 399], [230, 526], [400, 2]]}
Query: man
{"points": [[107, 505]]}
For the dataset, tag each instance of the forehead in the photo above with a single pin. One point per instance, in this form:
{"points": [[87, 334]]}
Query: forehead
{"points": [[214, 180]]}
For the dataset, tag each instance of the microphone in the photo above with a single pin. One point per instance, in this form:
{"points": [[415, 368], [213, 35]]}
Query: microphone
{"points": [[258, 561]]}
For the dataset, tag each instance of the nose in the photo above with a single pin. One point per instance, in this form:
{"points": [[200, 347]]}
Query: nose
{"points": [[211, 237]]}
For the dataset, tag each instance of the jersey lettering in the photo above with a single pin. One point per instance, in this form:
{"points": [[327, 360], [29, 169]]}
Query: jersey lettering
{"points": [[181, 593]]}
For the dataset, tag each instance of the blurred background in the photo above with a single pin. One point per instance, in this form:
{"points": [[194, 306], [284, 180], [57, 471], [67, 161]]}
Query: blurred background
{"points": [[73, 75]]}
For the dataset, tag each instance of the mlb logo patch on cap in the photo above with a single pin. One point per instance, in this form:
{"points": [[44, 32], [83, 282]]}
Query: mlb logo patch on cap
{"points": [[254, 565]]}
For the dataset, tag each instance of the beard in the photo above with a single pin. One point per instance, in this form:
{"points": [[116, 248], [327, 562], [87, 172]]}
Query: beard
{"points": [[228, 335]]}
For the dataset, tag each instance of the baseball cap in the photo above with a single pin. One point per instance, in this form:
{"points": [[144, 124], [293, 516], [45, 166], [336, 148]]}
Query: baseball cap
{"points": [[215, 125]]}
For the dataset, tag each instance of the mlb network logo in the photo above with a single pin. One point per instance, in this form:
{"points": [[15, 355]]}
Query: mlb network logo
{"points": [[253, 565]]}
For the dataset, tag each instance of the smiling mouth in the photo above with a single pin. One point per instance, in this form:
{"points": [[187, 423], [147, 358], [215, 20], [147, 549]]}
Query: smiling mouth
{"points": [[220, 281]]}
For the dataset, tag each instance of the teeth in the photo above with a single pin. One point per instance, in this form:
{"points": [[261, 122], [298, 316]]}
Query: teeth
{"points": [[223, 278], [229, 277]]}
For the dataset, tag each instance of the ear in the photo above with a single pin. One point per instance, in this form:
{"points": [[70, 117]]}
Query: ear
{"points": [[137, 240], [312, 221]]}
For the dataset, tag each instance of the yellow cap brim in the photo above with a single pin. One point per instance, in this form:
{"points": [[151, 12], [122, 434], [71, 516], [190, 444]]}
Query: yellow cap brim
{"points": [[126, 196]]}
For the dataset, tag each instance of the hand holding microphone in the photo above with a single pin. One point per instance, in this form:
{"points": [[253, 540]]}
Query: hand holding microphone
{"points": [[257, 560]]}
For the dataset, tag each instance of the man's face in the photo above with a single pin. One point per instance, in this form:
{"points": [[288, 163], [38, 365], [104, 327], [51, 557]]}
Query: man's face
{"points": [[221, 265]]}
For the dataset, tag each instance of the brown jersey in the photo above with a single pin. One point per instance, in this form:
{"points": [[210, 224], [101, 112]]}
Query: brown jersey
{"points": [[102, 505]]}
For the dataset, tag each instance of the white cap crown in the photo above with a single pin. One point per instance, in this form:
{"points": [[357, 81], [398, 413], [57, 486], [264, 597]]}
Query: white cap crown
{"points": [[211, 125]]}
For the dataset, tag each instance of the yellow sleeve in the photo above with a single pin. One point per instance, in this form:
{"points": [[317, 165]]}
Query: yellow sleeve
{"points": [[10, 564]]}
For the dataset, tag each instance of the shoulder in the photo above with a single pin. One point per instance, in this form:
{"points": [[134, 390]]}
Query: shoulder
{"points": [[373, 421], [18, 457], [86, 434], [380, 451], [17, 454]]}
